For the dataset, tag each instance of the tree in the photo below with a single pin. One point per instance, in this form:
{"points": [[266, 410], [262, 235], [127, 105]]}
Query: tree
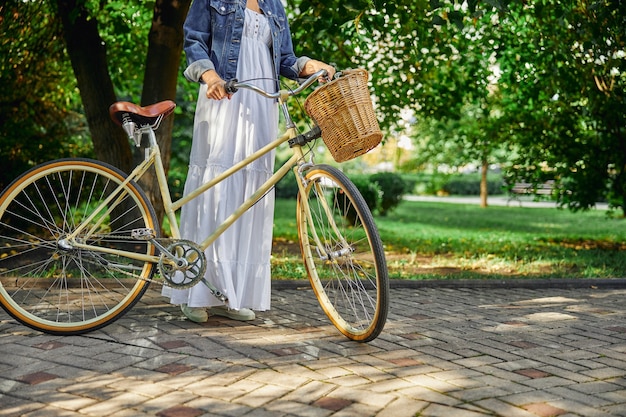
{"points": [[560, 109], [161, 76], [434, 58], [88, 54], [36, 123], [459, 95], [557, 106], [564, 73]]}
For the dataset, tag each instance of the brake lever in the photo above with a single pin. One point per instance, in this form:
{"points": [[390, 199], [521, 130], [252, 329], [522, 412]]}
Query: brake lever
{"points": [[230, 86]]}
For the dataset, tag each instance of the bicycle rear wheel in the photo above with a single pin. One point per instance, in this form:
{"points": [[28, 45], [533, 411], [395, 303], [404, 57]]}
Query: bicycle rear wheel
{"points": [[343, 253], [51, 286]]}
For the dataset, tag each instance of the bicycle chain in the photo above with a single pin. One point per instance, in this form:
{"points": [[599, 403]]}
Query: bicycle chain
{"points": [[168, 243]]}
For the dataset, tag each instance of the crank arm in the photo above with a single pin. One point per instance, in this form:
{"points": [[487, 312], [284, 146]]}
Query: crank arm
{"points": [[217, 293]]}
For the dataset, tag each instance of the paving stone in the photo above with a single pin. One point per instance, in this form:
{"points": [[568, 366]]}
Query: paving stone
{"points": [[45, 412], [14, 406], [180, 411], [596, 401], [262, 395], [166, 401], [473, 395], [547, 382], [216, 407], [293, 408], [332, 403], [433, 382], [71, 402], [618, 396], [310, 392], [365, 396], [544, 410], [606, 372], [428, 395], [349, 381], [595, 387], [37, 378], [438, 410], [356, 410], [509, 352], [114, 404], [403, 407], [268, 376], [502, 408], [389, 385]]}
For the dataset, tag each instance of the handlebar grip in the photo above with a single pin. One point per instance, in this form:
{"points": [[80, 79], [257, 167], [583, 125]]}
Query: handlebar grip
{"points": [[230, 86]]}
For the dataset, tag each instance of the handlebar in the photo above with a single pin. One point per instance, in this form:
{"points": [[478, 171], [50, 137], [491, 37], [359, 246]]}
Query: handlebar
{"points": [[233, 85]]}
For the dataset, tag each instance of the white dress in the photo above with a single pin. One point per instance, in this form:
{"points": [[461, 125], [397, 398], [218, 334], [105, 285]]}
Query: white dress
{"points": [[225, 132]]}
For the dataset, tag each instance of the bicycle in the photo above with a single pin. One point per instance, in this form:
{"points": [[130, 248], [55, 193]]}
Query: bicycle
{"points": [[80, 241]]}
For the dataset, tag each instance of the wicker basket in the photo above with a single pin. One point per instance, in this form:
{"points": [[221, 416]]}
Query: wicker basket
{"points": [[343, 110]]}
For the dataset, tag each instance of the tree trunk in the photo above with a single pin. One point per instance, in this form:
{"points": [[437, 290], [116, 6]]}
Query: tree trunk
{"points": [[483, 183], [87, 52], [162, 65]]}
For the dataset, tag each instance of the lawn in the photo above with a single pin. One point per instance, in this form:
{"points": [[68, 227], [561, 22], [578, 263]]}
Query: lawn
{"points": [[425, 240]]}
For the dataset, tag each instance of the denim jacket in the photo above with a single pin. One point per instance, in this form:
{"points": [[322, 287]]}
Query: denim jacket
{"points": [[213, 31]]}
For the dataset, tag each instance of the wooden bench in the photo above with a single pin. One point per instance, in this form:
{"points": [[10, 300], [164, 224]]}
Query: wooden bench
{"points": [[526, 188]]}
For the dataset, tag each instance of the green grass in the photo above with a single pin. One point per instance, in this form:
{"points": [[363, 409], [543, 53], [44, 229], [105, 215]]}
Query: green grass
{"points": [[440, 240]]}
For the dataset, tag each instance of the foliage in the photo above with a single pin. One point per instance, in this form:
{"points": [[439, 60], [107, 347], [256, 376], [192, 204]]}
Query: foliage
{"points": [[287, 187], [469, 184], [431, 183], [564, 73], [538, 86], [182, 134], [432, 71], [371, 192], [124, 27], [38, 96], [393, 188], [535, 85]]}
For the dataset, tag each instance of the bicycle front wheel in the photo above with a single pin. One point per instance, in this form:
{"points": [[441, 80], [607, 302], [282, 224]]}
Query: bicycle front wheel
{"points": [[53, 287], [343, 253]]}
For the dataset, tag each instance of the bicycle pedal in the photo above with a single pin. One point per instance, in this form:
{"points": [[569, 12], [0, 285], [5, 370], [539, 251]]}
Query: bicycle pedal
{"points": [[142, 234]]}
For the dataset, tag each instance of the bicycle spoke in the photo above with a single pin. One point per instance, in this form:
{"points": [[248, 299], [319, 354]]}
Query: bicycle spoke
{"points": [[343, 254], [47, 282]]}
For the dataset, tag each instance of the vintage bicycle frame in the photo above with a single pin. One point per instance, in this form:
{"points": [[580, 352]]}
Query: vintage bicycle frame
{"points": [[153, 157]]}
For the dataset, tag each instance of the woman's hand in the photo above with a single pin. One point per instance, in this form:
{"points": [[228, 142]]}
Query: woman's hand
{"points": [[215, 86], [312, 66]]}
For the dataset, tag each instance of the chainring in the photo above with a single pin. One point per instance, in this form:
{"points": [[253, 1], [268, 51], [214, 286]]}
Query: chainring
{"points": [[190, 268]]}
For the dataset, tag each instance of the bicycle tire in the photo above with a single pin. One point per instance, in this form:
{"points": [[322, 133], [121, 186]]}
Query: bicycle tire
{"points": [[343, 253], [60, 290]]}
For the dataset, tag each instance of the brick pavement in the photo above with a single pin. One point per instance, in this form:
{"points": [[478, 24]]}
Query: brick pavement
{"points": [[444, 352]]}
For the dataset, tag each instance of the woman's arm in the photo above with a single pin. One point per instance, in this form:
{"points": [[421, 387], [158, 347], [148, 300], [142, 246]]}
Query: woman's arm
{"points": [[197, 30], [313, 65]]}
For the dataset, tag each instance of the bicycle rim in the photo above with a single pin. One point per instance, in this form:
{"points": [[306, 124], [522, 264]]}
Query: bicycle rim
{"points": [[343, 254], [57, 289]]}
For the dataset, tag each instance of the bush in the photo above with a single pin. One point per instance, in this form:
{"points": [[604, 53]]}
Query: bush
{"points": [[287, 187], [469, 184], [393, 188], [371, 192], [412, 183], [176, 183]]}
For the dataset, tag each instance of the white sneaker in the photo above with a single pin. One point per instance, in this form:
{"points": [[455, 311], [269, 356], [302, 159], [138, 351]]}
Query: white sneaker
{"points": [[243, 314], [195, 314]]}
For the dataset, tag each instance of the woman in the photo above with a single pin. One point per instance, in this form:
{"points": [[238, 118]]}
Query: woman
{"points": [[247, 40]]}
